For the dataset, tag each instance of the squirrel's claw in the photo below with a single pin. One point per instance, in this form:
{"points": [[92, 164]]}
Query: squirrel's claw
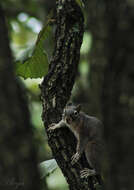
{"points": [[51, 127], [87, 172], [75, 158]]}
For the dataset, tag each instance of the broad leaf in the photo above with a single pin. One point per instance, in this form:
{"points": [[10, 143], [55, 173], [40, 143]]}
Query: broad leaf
{"points": [[47, 167], [33, 63]]}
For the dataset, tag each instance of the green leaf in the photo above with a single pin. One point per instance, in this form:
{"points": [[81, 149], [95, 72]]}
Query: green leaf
{"points": [[33, 62], [47, 167]]}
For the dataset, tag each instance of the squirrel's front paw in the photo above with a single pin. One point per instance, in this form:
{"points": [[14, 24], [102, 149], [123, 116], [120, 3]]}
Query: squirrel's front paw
{"points": [[51, 127], [75, 158]]}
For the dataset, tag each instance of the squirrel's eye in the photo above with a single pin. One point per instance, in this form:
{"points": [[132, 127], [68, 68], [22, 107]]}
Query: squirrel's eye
{"points": [[75, 113]]}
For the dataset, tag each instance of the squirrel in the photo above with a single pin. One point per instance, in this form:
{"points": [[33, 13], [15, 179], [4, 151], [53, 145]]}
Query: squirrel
{"points": [[89, 133]]}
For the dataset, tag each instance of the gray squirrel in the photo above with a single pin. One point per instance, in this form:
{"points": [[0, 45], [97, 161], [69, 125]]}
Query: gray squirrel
{"points": [[89, 133]]}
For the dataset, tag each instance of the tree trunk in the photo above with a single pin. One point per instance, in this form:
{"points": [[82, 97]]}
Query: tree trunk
{"points": [[112, 67], [18, 168], [56, 90]]}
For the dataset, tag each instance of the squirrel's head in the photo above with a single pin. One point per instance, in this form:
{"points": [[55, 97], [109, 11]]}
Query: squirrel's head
{"points": [[71, 113]]}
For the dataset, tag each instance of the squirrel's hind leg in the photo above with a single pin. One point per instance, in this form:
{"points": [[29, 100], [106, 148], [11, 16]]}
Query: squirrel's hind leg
{"points": [[87, 172]]}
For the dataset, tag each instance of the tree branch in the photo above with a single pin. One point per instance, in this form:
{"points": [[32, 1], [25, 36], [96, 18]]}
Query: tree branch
{"points": [[56, 89]]}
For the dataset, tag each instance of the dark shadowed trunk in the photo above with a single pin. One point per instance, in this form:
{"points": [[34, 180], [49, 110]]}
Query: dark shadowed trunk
{"points": [[56, 90], [18, 161], [112, 69]]}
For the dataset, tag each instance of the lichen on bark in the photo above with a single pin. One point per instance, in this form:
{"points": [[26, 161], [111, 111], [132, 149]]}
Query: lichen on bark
{"points": [[56, 89]]}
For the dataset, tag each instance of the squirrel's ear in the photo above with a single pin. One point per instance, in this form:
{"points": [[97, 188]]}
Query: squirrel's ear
{"points": [[69, 104], [78, 108]]}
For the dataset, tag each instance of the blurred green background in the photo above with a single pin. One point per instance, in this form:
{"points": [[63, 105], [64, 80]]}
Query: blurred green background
{"points": [[104, 83]]}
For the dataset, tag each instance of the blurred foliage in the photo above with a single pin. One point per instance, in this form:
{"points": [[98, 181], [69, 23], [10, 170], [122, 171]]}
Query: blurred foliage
{"points": [[26, 19], [56, 181], [47, 167], [33, 63]]}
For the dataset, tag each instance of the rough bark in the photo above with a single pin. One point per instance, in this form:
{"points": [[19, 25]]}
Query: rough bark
{"points": [[56, 90], [18, 168], [112, 68]]}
